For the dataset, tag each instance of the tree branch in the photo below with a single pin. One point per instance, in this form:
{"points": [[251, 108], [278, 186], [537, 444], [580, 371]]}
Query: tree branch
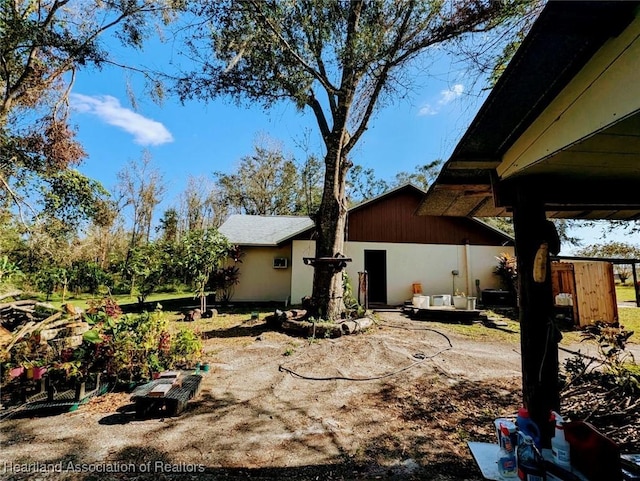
{"points": [[312, 102], [316, 49], [382, 79], [257, 4], [18, 201]]}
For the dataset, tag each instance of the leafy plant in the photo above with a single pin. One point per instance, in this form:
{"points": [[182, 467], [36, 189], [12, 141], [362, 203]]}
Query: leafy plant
{"points": [[614, 366], [289, 351], [201, 253], [8, 269], [186, 347], [353, 308], [223, 281], [507, 270], [148, 267]]}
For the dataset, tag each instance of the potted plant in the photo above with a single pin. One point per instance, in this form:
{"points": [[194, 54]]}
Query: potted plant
{"points": [[36, 369]]}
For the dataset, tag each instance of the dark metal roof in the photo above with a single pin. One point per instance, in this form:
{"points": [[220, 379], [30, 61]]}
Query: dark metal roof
{"points": [[562, 40]]}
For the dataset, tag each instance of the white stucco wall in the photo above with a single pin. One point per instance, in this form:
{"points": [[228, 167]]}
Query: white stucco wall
{"points": [[428, 264], [259, 281], [301, 275]]}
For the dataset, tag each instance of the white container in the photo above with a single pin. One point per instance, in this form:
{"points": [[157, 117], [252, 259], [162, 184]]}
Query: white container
{"points": [[424, 302], [459, 302], [441, 300], [416, 300], [471, 303], [560, 449], [564, 299]]}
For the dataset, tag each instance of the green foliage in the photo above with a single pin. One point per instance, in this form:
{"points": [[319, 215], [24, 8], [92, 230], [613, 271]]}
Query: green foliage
{"points": [[423, 176], [201, 253], [289, 351], [169, 226], [505, 224], [310, 175], [134, 341], [71, 196], [223, 280], [87, 276], [362, 184], [186, 347], [49, 278], [149, 266], [507, 270], [8, 269], [353, 308], [615, 367], [41, 44], [265, 183]]}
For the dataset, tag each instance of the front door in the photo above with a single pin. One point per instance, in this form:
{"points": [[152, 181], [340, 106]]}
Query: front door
{"points": [[375, 263]]}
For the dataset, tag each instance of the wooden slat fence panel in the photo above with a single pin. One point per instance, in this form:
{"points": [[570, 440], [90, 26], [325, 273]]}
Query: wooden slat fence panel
{"points": [[592, 286], [595, 287]]}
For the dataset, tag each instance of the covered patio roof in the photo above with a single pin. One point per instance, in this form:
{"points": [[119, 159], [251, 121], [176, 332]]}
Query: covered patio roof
{"points": [[563, 121], [559, 136]]}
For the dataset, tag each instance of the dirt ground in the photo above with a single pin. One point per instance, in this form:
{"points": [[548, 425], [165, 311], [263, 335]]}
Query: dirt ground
{"points": [[427, 393]]}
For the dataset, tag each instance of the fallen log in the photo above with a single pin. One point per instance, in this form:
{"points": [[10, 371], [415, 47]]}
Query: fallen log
{"points": [[26, 329], [10, 294], [311, 329], [49, 321], [296, 314], [23, 302], [67, 330], [356, 325]]}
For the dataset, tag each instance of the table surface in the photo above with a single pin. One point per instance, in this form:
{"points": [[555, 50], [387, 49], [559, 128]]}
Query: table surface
{"points": [[486, 455]]}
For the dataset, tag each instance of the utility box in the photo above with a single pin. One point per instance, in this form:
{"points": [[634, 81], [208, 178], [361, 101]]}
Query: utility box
{"points": [[591, 287]]}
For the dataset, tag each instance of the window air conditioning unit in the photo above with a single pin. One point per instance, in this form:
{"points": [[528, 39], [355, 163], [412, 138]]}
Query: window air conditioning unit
{"points": [[280, 262]]}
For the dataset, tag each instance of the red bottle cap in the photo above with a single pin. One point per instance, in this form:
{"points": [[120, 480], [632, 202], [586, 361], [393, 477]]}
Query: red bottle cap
{"points": [[523, 412]]}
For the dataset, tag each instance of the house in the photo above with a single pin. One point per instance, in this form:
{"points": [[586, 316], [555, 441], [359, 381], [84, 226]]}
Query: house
{"points": [[384, 237]]}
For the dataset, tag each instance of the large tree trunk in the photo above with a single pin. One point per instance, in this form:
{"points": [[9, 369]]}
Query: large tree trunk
{"points": [[330, 224]]}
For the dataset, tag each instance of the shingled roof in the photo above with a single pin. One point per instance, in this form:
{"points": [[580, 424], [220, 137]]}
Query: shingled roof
{"points": [[262, 230]]}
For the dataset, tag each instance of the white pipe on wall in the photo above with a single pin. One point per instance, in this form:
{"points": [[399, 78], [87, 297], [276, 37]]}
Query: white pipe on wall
{"points": [[467, 268]]}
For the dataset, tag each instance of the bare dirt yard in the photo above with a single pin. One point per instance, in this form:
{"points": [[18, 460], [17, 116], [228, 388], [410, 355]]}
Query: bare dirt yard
{"points": [[399, 401]]}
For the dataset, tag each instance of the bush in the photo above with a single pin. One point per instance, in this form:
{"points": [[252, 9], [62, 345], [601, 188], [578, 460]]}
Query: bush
{"points": [[186, 348]]}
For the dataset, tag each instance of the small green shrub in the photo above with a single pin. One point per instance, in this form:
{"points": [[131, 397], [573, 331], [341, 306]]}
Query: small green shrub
{"points": [[186, 347]]}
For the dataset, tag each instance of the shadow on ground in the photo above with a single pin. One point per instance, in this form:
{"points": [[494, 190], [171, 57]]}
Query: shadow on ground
{"points": [[246, 329]]}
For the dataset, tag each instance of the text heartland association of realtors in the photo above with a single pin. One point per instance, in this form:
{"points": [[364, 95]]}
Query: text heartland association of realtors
{"points": [[71, 467]]}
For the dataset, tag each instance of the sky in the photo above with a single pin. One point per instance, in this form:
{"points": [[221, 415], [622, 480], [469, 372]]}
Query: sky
{"points": [[198, 138]]}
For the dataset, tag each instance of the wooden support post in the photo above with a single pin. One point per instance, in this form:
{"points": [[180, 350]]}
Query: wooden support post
{"points": [[539, 345], [636, 287]]}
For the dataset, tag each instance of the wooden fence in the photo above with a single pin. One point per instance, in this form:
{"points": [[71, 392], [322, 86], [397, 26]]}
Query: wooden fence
{"points": [[592, 287]]}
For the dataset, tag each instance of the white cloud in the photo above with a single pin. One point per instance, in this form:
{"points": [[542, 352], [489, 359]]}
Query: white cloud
{"points": [[145, 131], [451, 94], [446, 96], [427, 109]]}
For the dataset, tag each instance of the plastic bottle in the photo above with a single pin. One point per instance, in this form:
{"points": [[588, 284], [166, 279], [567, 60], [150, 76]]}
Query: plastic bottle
{"points": [[511, 427], [507, 464], [530, 461], [559, 445], [526, 426]]}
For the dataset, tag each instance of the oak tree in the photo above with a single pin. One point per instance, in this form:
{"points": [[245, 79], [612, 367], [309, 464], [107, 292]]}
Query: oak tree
{"points": [[340, 60]]}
